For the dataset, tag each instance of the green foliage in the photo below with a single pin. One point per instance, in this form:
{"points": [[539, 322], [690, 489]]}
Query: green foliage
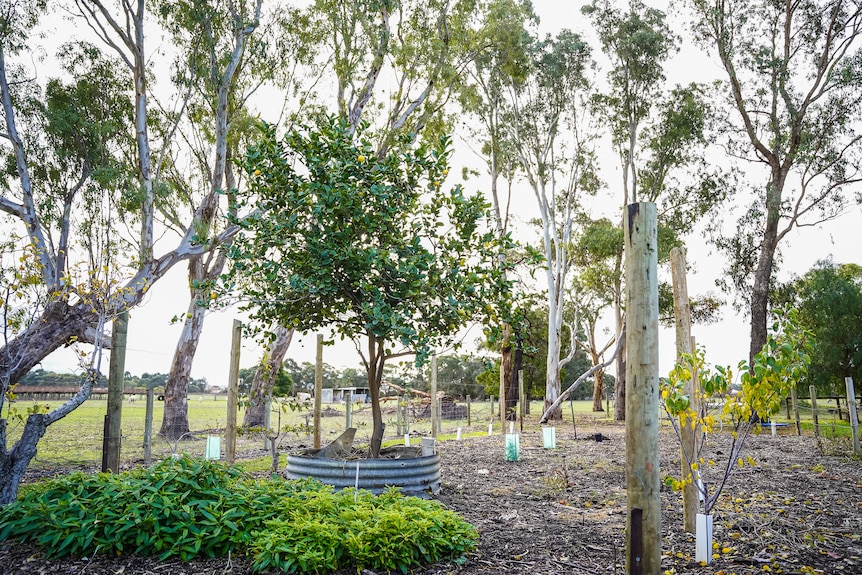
{"points": [[396, 533], [368, 243], [490, 380], [424, 43], [783, 362], [373, 245], [672, 122], [829, 299], [181, 507], [302, 544], [18, 20], [388, 532], [86, 124], [534, 342], [638, 42], [188, 508], [780, 365]]}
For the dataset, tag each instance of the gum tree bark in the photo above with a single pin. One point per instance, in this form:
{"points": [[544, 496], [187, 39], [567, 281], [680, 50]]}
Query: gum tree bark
{"points": [[264, 378]]}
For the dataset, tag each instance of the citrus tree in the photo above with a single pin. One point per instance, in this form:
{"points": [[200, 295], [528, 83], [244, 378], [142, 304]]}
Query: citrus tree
{"points": [[742, 400], [370, 245]]}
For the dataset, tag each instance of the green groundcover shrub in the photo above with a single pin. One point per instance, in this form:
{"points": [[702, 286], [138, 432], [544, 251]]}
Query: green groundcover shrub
{"points": [[188, 507]]}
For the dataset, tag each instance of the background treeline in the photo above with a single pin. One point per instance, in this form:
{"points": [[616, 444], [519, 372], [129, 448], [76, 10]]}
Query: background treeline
{"points": [[457, 375]]}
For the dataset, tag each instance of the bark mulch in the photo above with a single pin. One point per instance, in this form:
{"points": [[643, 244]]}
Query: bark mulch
{"points": [[798, 510]]}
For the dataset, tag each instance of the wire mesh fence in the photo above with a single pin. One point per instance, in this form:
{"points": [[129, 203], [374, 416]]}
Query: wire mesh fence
{"points": [[76, 442]]}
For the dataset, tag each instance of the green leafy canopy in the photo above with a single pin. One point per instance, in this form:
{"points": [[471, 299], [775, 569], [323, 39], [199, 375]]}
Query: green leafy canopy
{"points": [[372, 246]]}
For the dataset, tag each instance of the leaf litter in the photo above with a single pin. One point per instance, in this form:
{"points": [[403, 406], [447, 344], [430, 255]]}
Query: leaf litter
{"points": [[563, 510]]}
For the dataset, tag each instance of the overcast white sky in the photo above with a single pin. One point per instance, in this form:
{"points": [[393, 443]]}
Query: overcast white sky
{"points": [[152, 338]]}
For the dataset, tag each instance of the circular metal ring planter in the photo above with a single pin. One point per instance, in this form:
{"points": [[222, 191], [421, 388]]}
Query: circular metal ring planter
{"points": [[416, 476]]}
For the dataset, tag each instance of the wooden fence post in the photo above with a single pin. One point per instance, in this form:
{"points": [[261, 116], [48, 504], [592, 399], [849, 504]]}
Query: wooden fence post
{"points": [[814, 417], [398, 416], [502, 397], [117, 369], [267, 422], [522, 409], [795, 403], [348, 409], [851, 412], [318, 390], [643, 517], [689, 444], [233, 393], [148, 427]]}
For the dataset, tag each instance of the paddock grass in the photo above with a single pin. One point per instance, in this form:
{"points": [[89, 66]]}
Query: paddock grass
{"points": [[76, 440]]}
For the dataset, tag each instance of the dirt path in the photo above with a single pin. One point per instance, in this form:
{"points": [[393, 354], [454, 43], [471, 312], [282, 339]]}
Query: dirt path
{"points": [[797, 510]]}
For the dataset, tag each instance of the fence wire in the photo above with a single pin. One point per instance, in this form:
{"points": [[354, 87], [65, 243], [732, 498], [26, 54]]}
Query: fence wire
{"points": [[76, 441]]}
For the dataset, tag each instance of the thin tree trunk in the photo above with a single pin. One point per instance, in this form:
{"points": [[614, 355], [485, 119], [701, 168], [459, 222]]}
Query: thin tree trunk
{"points": [[620, 386], [505, 370], [375, 375], [512, 385], [766, 260], [552, 388], [14, 462], [552, 365], [264, 378], [760, 290], [175, 421], [598, 387]]}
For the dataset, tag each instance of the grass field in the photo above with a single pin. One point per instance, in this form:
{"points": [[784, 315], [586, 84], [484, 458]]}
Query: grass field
{"points": [[76, 440]]}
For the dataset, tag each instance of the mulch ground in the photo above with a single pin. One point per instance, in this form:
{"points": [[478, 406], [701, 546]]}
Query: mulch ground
{"points": [[798, 510]]}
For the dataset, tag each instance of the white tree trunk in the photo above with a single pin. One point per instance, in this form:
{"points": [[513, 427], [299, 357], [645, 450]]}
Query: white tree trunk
{"points": [[264, 378], [175, 421]]}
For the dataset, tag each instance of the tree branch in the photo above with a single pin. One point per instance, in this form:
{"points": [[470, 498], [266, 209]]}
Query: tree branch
{"points": [[563, 396]]}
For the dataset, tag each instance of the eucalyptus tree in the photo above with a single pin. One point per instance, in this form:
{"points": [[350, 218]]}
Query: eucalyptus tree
{"points": [[656, 132], [791, 89], [285, 54], [124, 33], [503, 39], [598, 251], [62, 256], [549, 130], [85, 282], [212, 40], [418, 48], [54, 158], [222, 58], [373, 246]]}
